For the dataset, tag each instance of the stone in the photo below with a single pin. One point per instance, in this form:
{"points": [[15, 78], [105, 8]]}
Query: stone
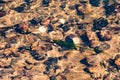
{"points": [[42, 29]]}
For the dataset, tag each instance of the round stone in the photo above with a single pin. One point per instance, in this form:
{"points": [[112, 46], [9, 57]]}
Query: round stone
{"points": [[42, 29]]}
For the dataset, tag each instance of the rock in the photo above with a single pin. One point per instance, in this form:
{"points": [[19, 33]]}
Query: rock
{"points": [[99, 24], [73, 39], [62, 21], [46, 2], [42, 29], [22, 28], [45, 22], [95, 3]]}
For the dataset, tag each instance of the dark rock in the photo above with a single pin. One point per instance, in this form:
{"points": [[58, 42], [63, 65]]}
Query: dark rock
{"points": [[51, 60], [84, 38], [21, 29], [63, 5], [97, 49], [109, 9], [1, 1], [46, 2], [95, 2], [2, 13], [53, 78], [69, 38], [33, 22], [84, 61], [20, 8], [78, 11], [106, 37], [99, 24], [72, 7], [37, 56], [66, 28], [80, 26]]}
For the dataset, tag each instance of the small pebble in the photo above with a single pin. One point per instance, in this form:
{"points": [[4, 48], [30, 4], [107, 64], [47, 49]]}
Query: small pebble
{"points": [[62, 21], [45, 22], [97, 49], [42, 29], [104, 46]]}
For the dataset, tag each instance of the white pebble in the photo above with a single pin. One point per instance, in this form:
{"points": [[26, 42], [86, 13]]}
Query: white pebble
{"points": [[42, 29], [62, 21], [76, 40]]}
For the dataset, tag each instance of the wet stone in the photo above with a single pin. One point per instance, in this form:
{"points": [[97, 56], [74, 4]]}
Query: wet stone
{"points": [[63, 5], [33, 22], [97, 49], [95, 2], [22, 8], [109, 9], [46, 2], [99, 24]]}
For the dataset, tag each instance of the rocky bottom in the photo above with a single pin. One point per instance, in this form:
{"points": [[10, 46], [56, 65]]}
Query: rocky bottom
{"points": [[59, 40]]}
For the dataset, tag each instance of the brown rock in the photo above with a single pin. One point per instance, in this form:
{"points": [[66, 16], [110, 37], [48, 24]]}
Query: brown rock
{"points": [[45, 22]]}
